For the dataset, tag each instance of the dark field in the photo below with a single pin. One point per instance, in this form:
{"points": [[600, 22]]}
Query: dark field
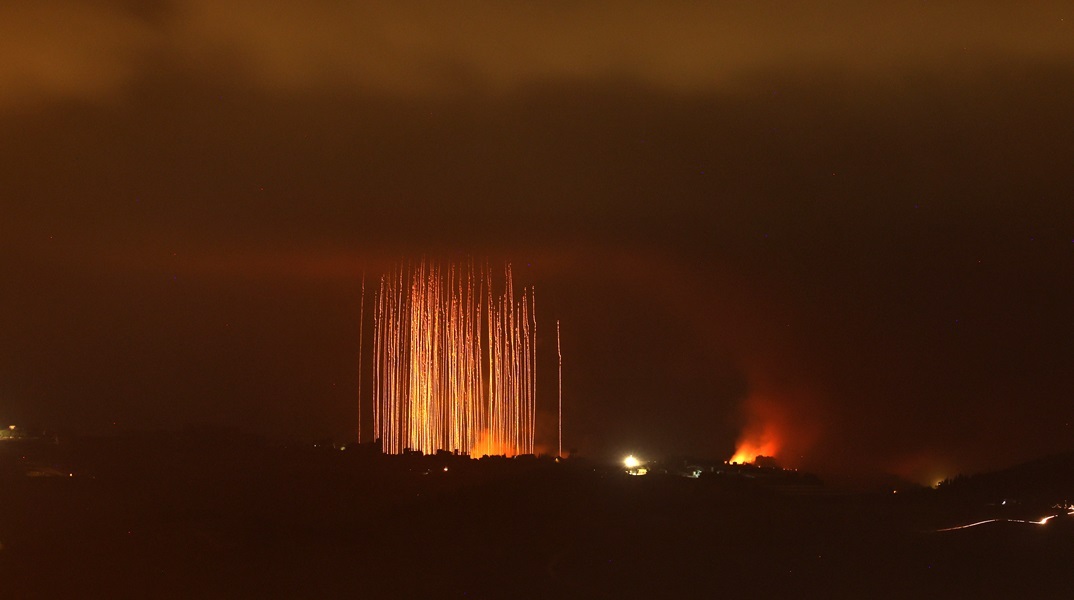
{"points": [[170, 518]]}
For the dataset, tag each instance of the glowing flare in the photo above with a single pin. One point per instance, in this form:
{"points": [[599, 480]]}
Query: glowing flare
{"points": [[986, 521]]}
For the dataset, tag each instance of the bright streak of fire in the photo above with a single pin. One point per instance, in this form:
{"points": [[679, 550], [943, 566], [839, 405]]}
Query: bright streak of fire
{"points": [[986, 521], [1043, 521], [454, 364]]}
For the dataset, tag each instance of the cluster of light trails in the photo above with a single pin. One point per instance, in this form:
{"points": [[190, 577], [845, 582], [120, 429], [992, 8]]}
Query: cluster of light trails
{"points": [[1043, 521], [454, 363]]}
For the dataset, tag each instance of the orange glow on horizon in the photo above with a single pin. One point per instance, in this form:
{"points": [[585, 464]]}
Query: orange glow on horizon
{"points": [[759, 440], [763, 434], [485, 445], [924, 467], [782, 419], [776, 427]]}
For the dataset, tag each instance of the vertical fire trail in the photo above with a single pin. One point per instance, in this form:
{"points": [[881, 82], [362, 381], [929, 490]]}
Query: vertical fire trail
{"points": [[559, 352], [361, 343], [454, 365]]}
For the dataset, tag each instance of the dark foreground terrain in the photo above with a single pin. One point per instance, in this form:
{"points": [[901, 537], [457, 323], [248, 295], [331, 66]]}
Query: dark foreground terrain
{"points": [[173, 517]]}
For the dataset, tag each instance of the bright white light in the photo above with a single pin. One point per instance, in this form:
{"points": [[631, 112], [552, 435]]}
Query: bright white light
{"points": [[631, 463]]}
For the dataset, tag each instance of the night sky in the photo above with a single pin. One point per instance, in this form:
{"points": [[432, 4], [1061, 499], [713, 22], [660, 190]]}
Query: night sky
{"points": [[849, 223]]}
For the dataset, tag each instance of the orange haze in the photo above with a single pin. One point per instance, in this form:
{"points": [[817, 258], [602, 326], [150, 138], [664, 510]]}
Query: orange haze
{"points": [[772, 430], [486, 446]]}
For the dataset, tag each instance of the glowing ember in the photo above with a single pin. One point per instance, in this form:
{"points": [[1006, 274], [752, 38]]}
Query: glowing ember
{"points": [[454, 365]]}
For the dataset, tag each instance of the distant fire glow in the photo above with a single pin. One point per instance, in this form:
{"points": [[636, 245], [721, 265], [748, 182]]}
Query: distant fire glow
{"points": [[454, 363], [761, 439], [749, 450], [780, 424]]}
